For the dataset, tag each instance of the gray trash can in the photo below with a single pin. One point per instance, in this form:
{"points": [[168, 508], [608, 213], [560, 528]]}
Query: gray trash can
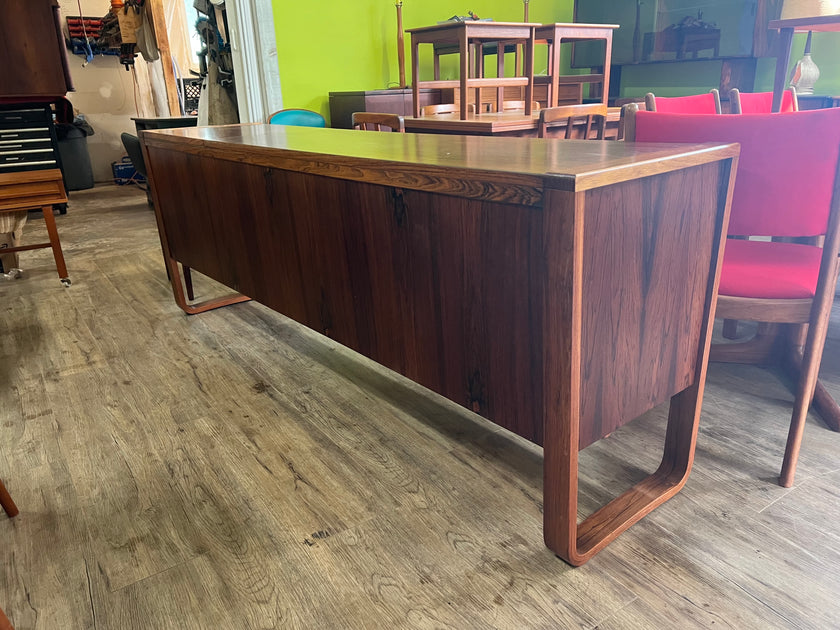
{"points": [[75, 159]]}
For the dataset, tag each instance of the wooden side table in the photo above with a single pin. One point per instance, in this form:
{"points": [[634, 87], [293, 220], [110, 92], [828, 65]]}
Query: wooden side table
{"points": [[26, 190], [786, 28], [470, 37], [556, 34]]}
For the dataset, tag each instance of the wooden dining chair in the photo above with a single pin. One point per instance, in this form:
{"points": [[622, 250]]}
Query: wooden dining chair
{"points": [[755, 103], [444, 108], [11, 509], [372, 121], [510, 106], [568, 115], [760, 102], [775, 282], [708, 103]]}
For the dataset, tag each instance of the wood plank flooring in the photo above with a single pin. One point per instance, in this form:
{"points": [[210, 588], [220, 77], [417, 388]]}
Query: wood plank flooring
{"points": [[234, 470]]}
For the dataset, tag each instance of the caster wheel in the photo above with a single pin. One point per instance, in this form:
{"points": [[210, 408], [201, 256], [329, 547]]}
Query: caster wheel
{"points": [[66, 282]]}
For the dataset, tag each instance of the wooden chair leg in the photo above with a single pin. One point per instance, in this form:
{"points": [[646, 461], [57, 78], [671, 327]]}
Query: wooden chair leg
{"points": [[823, 403], [60, 266], [6, 501], [758, 350], [805, 389], [5, 624], [730, 328], [826, 407]]}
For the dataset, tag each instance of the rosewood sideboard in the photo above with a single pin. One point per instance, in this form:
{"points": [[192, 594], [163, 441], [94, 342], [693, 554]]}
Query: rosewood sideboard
{"points": [[558, 288]]}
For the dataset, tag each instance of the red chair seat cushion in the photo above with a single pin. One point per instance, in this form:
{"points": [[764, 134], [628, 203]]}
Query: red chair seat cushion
{"points": [[761, 269]]}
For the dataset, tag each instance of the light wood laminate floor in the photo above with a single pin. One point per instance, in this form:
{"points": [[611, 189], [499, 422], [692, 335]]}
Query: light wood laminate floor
{"points": [[233, 470]]}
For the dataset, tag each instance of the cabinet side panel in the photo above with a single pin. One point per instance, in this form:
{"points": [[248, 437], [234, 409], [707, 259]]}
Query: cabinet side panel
{"points": [[645, 277]]}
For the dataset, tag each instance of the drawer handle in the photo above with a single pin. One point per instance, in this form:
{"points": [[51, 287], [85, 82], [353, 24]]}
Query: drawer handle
{"points": [[11, 135]]}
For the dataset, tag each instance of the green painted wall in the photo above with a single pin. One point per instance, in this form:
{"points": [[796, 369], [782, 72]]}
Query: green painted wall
{"points": [[346, 45]]}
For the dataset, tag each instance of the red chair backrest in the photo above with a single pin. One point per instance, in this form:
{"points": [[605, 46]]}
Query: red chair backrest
{"points": [[786, 169], [761, 102], [698, 104]]}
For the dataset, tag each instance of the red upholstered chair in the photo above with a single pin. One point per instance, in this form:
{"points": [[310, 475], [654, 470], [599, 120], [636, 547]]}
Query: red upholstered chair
{"points": [[698, 104], [11, 509], [769, 281], [760, 102]]}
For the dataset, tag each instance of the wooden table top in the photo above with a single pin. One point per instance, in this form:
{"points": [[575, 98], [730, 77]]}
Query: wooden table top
{"points": [[422, 161], [485, 124], [818, 24], [477, 26]]}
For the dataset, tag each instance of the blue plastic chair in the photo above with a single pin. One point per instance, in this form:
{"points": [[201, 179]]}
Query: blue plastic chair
{"points": [[297, 118]]}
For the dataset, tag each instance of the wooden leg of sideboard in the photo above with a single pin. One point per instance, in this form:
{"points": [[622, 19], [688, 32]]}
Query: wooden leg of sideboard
{"points": [[577, 543], [175, 279], [60, 266]]}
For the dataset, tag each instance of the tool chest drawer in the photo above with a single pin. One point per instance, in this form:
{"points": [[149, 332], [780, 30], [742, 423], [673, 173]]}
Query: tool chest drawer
{"points": [[26, 115], [27, 138]]}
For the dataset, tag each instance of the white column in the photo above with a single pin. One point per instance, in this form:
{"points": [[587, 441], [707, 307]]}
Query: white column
{"points": [[255, 68]]}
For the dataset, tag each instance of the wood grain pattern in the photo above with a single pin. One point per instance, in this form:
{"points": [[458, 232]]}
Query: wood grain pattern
{"points": [[497, 169], [32, 50], [451, 291]]}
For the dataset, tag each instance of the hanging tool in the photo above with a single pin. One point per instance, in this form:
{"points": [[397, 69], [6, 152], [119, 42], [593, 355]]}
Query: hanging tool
{"points": [[88, 49]]}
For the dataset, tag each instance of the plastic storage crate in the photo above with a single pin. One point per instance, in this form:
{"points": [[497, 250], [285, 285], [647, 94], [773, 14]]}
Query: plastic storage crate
{"points": [[125, 173]]}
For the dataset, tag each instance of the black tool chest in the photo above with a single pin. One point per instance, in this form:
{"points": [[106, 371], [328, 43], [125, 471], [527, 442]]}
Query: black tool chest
{"points": [[27, 138]]}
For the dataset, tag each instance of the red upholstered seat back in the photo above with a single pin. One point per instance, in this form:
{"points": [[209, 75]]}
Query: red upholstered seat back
{"points": [[699, 104], [762, 102], [786, 169]]}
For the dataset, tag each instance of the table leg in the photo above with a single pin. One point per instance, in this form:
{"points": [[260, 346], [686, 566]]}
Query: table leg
{"points": [[785, 41], [605, 88], [500, 72], [529, 73], [465, 70], [415, 77], [554, 89], [60, 266]]}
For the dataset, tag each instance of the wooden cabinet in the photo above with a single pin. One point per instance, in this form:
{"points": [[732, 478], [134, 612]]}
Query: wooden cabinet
{"points": [[32, 53], [343, 104]]}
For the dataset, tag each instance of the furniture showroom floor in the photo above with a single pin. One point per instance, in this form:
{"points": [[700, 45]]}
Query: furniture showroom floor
{"points": [[234, 470]]}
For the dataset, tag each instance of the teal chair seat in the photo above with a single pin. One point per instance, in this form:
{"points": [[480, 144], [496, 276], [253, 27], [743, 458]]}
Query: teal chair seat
{"points": [[297, 118]]}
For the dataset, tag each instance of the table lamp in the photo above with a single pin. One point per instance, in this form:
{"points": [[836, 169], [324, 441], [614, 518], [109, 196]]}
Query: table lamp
{"points": [[805, 72]]}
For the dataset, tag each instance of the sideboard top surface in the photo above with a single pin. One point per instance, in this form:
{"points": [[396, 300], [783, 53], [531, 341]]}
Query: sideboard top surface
{"points": [[414, 159]]}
